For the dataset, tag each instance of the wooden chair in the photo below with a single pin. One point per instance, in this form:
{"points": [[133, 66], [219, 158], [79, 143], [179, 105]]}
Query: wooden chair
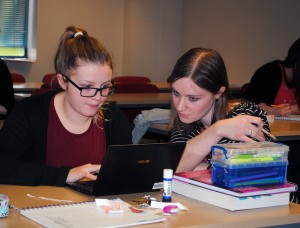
{"points": [[131, 79], [16, 77]]}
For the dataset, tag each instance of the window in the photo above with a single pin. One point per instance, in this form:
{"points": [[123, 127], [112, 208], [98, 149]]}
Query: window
{"points": [[17, 23]]}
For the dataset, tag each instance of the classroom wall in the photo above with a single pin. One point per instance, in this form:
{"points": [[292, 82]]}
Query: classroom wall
{"points": [[147, 37], [247, 33], [152, 37], [102, 19]]}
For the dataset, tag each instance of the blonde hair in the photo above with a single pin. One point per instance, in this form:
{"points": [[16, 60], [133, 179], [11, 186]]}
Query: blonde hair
{"points": [[76, 45]]}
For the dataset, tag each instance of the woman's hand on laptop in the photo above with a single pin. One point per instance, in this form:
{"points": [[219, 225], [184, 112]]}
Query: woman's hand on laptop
{"points": [[84, 171]]}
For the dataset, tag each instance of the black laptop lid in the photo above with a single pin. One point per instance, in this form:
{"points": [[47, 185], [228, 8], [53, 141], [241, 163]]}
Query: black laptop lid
{"points": [[136, 168]]}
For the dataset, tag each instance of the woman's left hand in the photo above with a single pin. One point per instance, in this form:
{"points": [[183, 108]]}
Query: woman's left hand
{"points": [[241, 128]]}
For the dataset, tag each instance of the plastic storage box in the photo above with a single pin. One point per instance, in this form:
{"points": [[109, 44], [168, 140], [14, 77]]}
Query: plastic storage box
{"points": [[238, 153], [249, 164], [250, 174]]}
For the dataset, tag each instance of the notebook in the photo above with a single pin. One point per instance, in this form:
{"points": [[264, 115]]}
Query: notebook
{"points": [[89, 214], [288, 118], [133, 168]]}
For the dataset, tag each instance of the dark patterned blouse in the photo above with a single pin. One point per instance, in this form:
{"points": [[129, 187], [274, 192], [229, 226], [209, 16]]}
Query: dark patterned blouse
{"points": [[245, 108]]}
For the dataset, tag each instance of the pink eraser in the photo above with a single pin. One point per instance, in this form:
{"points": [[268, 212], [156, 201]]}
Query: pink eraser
{"points": [[171, 209]]}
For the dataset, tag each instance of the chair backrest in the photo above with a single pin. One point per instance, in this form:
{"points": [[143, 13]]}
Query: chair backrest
{"points": [[131, 113], [48, 86], [131, 79], [41, 91], [50, 81], [136, 88], [48, 77], [16, 77]]}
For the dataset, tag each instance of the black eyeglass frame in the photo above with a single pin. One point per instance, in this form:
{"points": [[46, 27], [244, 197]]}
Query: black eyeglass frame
{"points": [[111, 91]]}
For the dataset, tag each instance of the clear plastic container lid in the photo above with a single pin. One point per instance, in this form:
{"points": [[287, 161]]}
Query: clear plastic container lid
{"points": [[257, 152]]}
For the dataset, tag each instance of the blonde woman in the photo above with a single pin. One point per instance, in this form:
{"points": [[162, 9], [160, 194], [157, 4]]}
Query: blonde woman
{"points": [[60, 137]]}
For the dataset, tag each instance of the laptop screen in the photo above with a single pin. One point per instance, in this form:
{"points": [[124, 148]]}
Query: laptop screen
{"points": [[136, 168]]}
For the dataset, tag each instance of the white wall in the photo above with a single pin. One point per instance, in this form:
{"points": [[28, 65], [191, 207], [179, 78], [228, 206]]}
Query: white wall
{"points": [[102, 19], [152, 37], [146, 37], [247, 33], [143, 36]]}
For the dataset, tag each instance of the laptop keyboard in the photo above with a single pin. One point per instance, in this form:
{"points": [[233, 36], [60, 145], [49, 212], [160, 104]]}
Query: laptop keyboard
{"points": [[85, 187]]}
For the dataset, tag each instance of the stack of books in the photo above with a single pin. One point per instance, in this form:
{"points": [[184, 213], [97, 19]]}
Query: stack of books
{"points": [[198, 185], [236, 184]]}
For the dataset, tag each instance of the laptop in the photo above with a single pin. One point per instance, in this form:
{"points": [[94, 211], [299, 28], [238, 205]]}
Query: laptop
{"points": [[132, 168]]}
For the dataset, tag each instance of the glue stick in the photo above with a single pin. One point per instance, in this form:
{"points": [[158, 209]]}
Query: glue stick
{"points": [[167, 185]]}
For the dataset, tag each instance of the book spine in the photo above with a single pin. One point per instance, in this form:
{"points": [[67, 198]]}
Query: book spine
{"points": [[241, 191], [204, 195], [207, 186], [225, 201]]}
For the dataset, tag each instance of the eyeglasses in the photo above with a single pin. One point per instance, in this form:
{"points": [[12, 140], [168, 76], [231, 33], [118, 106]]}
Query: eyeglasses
{"points": [[105, 90]]}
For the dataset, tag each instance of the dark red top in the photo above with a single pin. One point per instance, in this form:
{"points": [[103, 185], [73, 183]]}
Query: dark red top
{"points": [[284, 94], [67, 149]]}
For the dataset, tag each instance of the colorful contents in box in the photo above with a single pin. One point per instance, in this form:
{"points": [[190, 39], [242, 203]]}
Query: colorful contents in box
{"points": [[249, 164], [251, 174], [235, 153]]}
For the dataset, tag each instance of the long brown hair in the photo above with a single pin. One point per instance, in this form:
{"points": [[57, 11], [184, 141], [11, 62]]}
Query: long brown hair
{"points": [[206, 69]]}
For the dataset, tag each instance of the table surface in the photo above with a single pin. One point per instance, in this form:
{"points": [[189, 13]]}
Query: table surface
{"points": [[283, 130], [141, 100], [130, 100], [162, 86], [29, 87], [199, 214]]}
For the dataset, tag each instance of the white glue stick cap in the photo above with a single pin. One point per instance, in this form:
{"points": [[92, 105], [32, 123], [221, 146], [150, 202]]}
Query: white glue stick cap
{"points": [[168, 173]]}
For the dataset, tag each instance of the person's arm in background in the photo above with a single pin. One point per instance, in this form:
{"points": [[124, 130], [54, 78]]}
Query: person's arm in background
{"points": [[279, 110], [295, 109]]}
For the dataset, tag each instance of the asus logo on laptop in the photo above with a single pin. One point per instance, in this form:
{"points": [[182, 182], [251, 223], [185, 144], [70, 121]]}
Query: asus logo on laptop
{"points": [[143, 161]]}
